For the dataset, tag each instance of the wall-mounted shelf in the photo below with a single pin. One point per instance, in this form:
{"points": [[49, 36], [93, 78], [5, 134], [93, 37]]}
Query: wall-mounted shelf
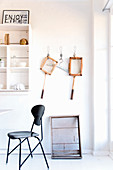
{"points": [[15, 56]]}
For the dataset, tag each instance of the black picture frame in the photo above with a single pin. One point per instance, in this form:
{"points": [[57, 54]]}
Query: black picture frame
{"points": [[15, 17]]}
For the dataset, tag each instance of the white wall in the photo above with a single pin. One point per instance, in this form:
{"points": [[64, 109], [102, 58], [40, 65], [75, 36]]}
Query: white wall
{"points": [[58, 24], [101, 114]]}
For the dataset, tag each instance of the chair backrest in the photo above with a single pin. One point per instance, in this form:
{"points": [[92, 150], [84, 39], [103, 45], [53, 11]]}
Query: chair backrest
{"points": [[38, 111]]}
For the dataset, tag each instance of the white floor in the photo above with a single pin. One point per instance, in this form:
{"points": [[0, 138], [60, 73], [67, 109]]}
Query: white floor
{"points": [[88, 162]]}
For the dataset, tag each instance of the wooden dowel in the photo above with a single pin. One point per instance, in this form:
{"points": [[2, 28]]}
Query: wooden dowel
{"points": [[52, 59], [43, 87], [72, 92], [42, 65], [81, 66]]}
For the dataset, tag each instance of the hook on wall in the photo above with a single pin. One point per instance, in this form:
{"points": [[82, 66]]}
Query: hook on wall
{"points": [[48, 50], [61, 63], [60, 59], [74, 49]]}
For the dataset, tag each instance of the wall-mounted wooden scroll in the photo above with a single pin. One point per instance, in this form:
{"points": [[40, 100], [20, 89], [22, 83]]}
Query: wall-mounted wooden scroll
{"points": [[75, 69], [48, 65]]}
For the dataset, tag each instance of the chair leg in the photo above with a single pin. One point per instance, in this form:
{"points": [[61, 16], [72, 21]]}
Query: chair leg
{"points": [[44, 155], [29, 147], [20, 155], [8, 151]]}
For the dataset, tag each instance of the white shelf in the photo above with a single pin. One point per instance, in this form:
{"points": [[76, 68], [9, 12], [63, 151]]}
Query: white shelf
{"points": [[15, 27], [3, 68], [13, 55], [12, 90], [20, 68], [14, 45]]}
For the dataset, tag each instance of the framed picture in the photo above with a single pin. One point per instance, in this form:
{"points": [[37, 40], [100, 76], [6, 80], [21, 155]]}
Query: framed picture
{"points": [[15, 17]]}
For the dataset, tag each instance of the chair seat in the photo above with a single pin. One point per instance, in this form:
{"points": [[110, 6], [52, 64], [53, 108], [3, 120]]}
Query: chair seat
{"points": [[22, 134]]}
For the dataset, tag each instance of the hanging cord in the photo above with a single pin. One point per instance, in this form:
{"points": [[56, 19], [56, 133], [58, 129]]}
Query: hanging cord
{"points": [[60, 59], [48, 50], [74, 54]]}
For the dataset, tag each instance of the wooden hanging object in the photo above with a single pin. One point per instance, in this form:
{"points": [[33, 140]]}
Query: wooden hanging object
{"points": [[75, 69], [48, 65]]}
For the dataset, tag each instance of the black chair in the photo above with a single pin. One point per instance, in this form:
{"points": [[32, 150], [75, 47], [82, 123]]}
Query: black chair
{"points": [[37, 112]]}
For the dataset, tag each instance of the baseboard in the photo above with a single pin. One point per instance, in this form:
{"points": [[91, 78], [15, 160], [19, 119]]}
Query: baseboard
{"points": [[24, 152], [84, 151], [95, 153], [100, 153], [111, 155]]}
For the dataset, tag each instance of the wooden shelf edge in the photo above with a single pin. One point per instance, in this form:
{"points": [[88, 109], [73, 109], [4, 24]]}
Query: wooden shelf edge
{"points": [[14, 91]]}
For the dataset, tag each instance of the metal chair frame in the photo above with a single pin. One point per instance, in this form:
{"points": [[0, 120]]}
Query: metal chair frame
{"points": [[31, 151]]}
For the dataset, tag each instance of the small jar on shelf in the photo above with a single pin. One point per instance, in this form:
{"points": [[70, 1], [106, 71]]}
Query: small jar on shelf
{"points": [[1, 63]]}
